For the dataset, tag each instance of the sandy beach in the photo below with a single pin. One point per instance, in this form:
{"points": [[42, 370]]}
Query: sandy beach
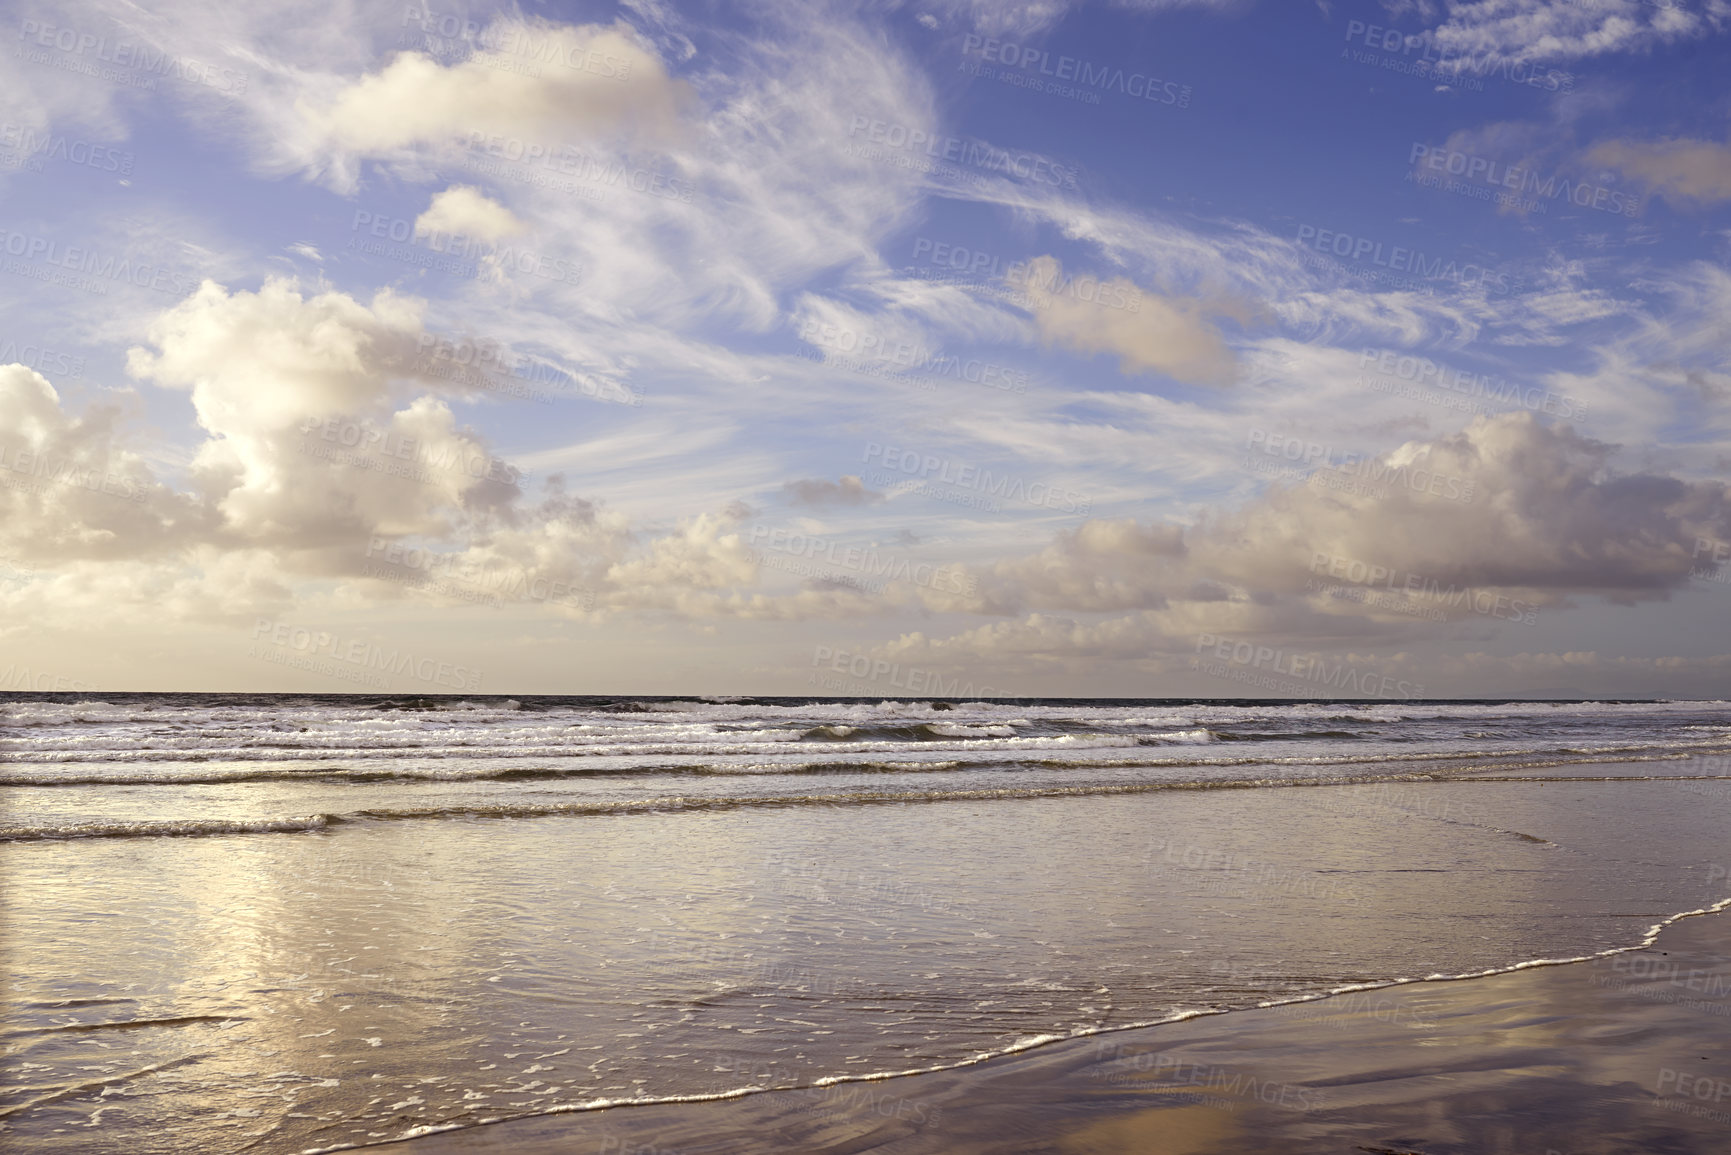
{"points": [[1608, 1056], [299, 926]]}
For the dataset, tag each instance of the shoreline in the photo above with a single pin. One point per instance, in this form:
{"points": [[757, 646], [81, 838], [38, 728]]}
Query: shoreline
{"points": [[1310, 1073]]}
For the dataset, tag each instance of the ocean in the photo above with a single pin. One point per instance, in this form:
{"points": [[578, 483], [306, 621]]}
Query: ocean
{"points": [[294, 923]]}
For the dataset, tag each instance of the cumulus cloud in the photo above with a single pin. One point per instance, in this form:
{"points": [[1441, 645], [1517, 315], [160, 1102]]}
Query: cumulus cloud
{"points": [[329, 457], [324, 449], [308, 447], [70, 490], [1104, 564], [1548, 515], [533, 80], [1548, 518], [264, 361], [705, 553], [467, 211], [1686, 171], [1147, 333], [849, 490]]}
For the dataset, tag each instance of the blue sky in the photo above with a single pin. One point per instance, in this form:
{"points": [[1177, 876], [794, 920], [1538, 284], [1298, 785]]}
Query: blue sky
{"points": [[1137, 348]]}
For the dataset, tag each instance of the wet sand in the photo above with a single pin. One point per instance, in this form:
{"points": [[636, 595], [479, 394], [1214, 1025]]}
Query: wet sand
{"points": [[1611, 1056]]}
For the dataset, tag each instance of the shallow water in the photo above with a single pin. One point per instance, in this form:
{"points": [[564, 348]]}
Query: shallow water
{"points": [[478, 911]]}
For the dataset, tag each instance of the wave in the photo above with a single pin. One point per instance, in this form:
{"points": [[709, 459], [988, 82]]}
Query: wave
{"points": [[1272, 736], [189, 828], [504, 774], [681, 803], [675, 804], [838, 758], [1034, 1041]]}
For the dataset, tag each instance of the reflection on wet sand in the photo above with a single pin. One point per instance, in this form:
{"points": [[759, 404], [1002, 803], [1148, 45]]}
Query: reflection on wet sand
{"points": [[1543, 1061]]}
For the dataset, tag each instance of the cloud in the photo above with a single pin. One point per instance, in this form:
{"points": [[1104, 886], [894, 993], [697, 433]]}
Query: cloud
{"points": [[849, 490], [1041, 640], [1525, 30], [1030, 18], [1682, 170], [532, 80], [702, 554], [1004, 17], [1147, 333], [327, 447], [264, 361], [1548, 516], [308, 448], [69, 490], [1548, 519], [468, 212], [1103, 564]]}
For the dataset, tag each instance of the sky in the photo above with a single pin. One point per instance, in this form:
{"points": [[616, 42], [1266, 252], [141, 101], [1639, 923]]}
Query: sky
{"points": [[1131, 348]]}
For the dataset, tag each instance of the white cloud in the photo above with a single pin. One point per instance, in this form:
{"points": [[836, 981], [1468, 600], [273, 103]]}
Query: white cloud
{"points": [[1548, 520], [1562, 30], [1147, 333], [528, 80], [467, 212], [70, 489]]}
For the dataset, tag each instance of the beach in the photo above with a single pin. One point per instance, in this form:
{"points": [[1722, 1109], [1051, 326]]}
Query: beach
{"points": [[1609, 1056], [309, 923]]}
